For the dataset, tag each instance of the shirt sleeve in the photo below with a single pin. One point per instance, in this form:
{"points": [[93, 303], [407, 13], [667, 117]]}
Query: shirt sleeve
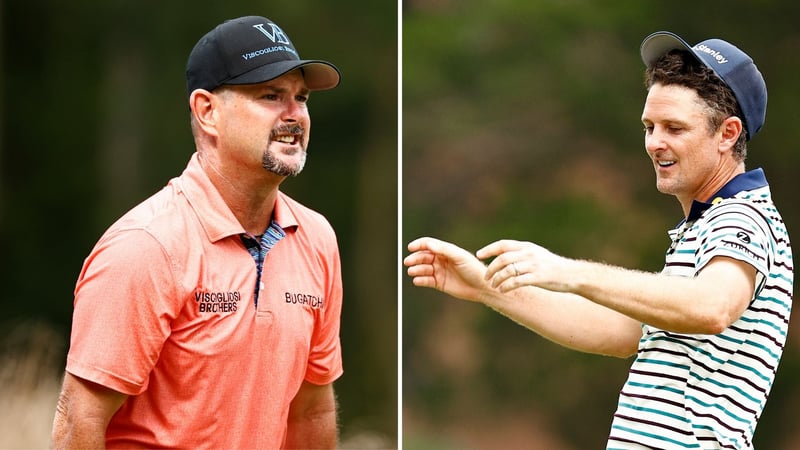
{"points": [[739, 231], [124, 305], [325, 358]]}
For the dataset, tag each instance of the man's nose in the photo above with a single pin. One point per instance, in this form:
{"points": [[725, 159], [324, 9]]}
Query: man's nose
{"points": [[292, 111], [654, 140]]}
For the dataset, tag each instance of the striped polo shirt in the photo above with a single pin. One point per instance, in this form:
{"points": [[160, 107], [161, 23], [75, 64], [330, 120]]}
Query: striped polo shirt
{"points": [[707, 391]]}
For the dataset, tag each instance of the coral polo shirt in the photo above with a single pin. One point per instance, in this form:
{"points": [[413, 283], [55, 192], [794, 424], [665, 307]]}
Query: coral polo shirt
{"points": [[165, 312]]}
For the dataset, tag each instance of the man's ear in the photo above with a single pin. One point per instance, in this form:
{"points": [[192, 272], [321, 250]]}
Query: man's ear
{"points": [[731, 128], [203, 105]]}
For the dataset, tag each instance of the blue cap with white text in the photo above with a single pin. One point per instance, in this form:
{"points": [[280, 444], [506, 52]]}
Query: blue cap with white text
{"points": [[736, 69]]}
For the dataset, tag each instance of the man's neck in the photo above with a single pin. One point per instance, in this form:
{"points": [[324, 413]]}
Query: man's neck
{"points": [[715, 182], [251, 199]]}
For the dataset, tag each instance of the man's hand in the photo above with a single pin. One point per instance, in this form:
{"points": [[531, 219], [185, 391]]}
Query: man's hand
{"points": [[447, 268], [518, 264]]}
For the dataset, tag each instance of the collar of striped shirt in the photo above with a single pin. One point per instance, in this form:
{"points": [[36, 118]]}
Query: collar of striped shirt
{"points": [[747, 181]]}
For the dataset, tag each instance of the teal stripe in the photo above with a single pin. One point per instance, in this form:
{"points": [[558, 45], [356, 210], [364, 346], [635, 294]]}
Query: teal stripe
{"points": [[736, 388], [776, 301], [768, 323], [655, 386], [682, 392], [718, 407], [781, 276], [751, 370], [703, 427], [654, 411], [655, 436], [696, 376], [718, 360], [663, 363], [730, 339], [774, 356], [705, 353]]}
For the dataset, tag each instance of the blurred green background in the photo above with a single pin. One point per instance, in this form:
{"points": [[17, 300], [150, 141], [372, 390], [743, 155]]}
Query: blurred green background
{"points": [[521, 119], [94, 119]]}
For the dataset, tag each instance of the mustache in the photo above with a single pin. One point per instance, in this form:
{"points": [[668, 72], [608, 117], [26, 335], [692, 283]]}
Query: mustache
{"points": [[287, 129]]}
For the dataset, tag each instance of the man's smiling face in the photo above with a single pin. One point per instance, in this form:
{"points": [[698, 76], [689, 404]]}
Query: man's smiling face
{"points": [[685, 153]]}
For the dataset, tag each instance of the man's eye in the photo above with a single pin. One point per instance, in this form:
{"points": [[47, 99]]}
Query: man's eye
{"points": [[302, 98]]}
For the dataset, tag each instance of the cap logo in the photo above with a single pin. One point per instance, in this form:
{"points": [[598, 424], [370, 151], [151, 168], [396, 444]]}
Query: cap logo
{"points": [[277, 36], [713, 53]]}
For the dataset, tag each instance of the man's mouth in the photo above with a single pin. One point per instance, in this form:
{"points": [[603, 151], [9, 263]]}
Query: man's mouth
{"points": [[291, 139], [290, 135], [665, 163]]}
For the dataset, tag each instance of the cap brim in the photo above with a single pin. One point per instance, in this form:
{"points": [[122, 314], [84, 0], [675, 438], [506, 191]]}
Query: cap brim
{"points": [[319, 75], [659, 43]]}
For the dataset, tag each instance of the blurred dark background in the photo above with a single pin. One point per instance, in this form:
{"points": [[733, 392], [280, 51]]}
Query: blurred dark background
{"points": [[521, 119], [94, 119]]}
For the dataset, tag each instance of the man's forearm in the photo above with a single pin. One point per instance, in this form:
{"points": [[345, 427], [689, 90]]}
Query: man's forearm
{"points": [[77, 433], [704, 304], [569, 320], [83, 412], [319, 431]]}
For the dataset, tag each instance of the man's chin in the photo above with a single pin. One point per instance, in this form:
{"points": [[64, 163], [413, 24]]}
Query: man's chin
{"points": [[283, 165], [666, 188]]}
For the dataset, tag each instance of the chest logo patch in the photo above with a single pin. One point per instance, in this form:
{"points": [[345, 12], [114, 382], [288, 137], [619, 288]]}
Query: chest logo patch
{"points": [[297, 298], [217, 302]]}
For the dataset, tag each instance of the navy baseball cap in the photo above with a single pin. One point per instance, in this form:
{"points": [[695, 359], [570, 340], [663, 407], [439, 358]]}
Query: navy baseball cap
{"points": [[733, 66], [251, 50]]}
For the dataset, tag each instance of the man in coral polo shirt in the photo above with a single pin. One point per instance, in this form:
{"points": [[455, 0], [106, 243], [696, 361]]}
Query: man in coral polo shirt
{"points": [[208, 315]]}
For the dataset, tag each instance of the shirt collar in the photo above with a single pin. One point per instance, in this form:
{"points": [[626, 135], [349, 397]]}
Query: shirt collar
{"points": [[283, 214], [213, 213], [747, 181]]}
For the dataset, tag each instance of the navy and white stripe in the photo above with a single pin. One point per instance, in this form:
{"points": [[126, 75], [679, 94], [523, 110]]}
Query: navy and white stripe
{"points": [[259, 247], [708, 391]]}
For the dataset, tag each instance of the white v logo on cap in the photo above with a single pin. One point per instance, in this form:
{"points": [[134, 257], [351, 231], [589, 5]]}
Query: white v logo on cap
{"points": [[277, 34]]}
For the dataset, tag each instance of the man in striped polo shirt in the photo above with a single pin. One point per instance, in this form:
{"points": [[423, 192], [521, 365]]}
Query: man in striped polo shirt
{"points": [[709, 330]]}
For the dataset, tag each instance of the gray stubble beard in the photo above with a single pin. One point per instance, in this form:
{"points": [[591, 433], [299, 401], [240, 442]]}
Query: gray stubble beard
{"points": [[271, 163]]}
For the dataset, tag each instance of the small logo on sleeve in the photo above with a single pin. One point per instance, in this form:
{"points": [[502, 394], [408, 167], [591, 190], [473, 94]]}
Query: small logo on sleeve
{"points": [[217, 302], [742, 247]]}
